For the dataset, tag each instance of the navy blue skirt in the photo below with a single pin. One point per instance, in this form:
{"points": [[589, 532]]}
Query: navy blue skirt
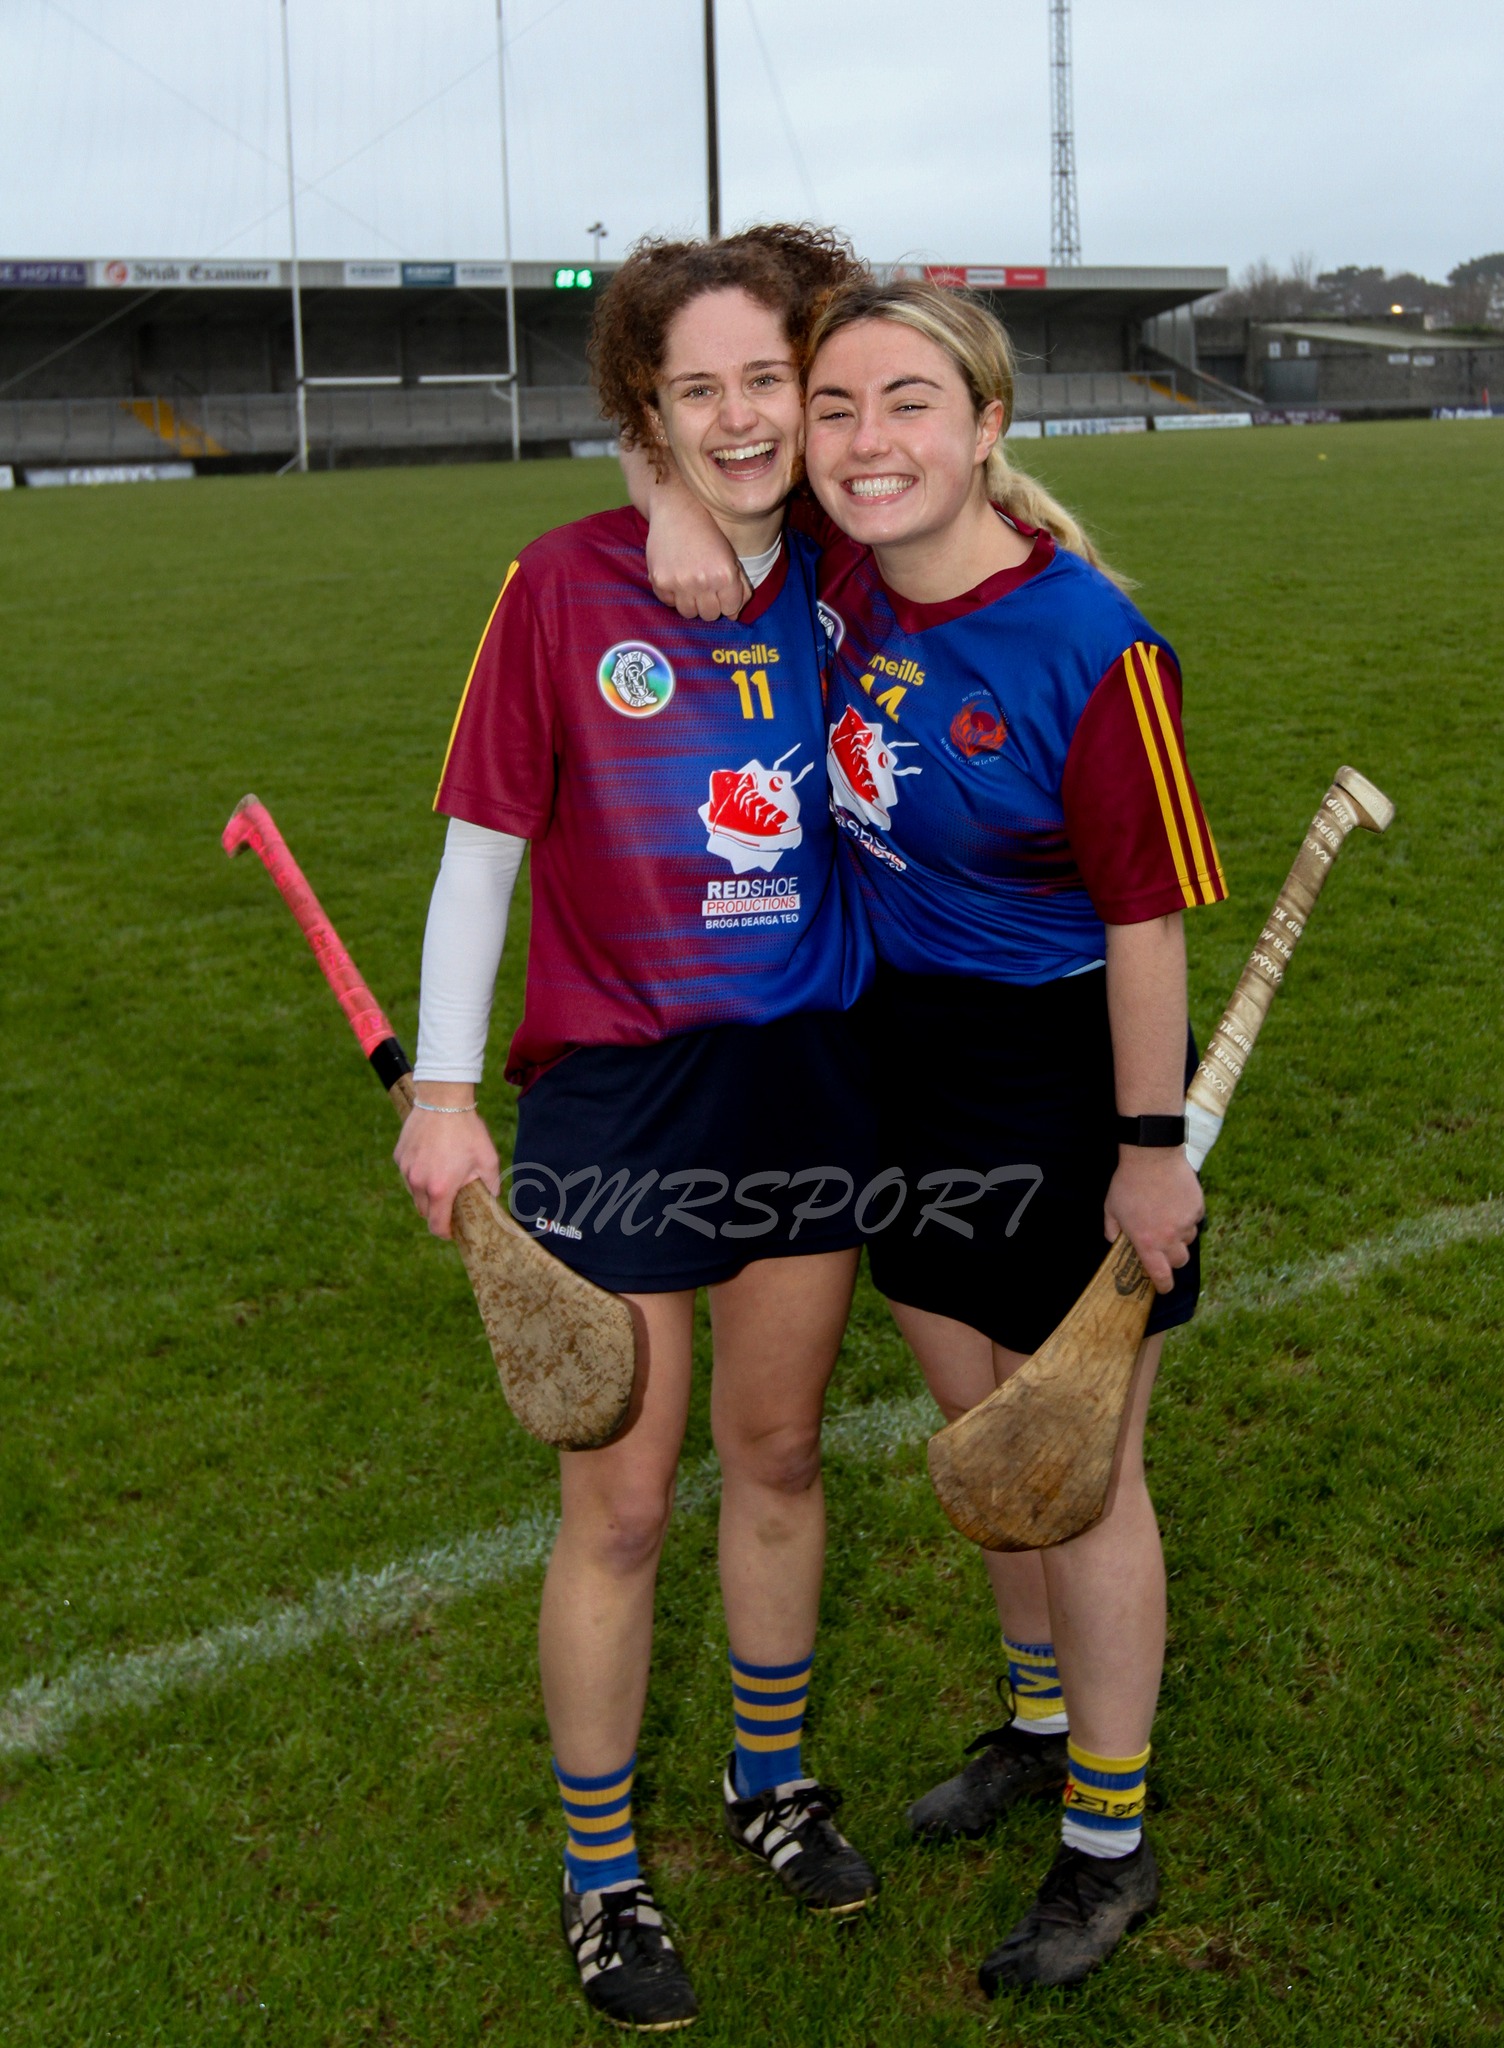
{"points": [[650, 1168], [1001, 1132]]}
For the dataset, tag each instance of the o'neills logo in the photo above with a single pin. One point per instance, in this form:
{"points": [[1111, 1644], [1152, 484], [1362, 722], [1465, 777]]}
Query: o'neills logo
{"points": [[901, 671], [759, 656]]}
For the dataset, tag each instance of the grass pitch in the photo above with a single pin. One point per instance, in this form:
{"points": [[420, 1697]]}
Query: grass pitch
{"points": [[239, 1382]]}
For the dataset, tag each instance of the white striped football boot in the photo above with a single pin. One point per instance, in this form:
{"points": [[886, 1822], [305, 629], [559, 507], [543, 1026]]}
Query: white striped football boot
{"points": [[791, 1830], [629, 1969]]}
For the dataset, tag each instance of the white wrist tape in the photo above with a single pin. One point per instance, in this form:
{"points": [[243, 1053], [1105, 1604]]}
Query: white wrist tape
{"points": [[1203, 1127]]}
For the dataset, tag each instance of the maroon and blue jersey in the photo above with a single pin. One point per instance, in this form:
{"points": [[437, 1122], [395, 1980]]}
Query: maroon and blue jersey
{"points": [[1007, 767], [670, 776]]}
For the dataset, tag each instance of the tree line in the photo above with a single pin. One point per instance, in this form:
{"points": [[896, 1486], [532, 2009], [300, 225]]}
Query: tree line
{"points": [[1472, 296]]}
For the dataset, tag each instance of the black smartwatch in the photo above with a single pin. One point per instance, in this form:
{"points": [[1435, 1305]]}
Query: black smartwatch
{"points": [[1159, 1131]]}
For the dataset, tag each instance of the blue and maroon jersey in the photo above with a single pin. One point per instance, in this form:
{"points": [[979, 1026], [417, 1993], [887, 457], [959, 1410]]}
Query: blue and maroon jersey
{"points": [[670, 777], [1008, 766]]}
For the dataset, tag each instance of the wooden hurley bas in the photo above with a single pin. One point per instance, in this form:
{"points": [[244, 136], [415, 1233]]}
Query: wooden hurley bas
{"points": [[565, 1349], [1030, 1466]]}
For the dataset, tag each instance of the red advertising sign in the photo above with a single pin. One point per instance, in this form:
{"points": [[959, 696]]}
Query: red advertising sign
{"points": [[1009, 277]]}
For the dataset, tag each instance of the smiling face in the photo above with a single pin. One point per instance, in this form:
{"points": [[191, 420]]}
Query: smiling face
{"points": [[730, 408], [895, 446]]}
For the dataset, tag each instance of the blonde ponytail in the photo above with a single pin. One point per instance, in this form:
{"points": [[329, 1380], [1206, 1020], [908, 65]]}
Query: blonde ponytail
{"points": [[977, 343]]}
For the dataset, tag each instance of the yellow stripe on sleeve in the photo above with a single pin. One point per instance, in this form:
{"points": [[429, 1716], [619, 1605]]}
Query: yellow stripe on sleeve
{"points": [[1166, 802], [459, 714], [1149, 655]]}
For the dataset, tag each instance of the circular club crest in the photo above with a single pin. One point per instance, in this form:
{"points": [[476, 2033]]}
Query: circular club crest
{"points": [[635, 679], [979, 730]]}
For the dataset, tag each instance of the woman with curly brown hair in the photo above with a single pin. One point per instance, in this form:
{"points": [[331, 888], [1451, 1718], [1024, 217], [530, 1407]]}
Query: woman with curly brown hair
{"points": [[692, 1111]]}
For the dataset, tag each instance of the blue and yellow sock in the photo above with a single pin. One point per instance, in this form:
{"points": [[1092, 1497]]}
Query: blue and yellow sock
{"points": [[1104, 1802], [1038, 1703], [769, 1701], [601, 1849]]}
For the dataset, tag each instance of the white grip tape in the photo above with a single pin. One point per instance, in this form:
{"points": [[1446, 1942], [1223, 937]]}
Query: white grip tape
{"points": [[1203, 1127]]}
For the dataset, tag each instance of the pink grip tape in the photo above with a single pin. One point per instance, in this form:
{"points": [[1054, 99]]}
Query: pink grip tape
{"points": [[251, 825]]}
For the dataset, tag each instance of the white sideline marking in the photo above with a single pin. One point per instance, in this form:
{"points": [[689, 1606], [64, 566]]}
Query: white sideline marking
{"points": [[1430, 1233], [40, 1712]]}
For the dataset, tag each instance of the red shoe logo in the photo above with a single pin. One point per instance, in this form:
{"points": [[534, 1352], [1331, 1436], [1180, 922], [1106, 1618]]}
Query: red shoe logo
{"points": [[863, 768], [752, 817]]}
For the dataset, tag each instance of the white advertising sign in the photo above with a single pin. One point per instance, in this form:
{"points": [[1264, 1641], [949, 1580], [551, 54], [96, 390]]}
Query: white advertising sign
{"points": [[374, 276], [111, 473], [1174, 423], [482, 276], [1131, 424], [121, 271]]}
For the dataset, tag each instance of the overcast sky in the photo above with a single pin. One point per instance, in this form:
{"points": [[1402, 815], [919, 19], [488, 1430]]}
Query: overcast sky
{"points": [[1360, 131]]}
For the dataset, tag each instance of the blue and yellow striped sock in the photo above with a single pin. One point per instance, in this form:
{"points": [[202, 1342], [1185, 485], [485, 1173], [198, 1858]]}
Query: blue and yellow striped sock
{"points": [[1104, 1802], [601, 1849], [1038, 1703], [769, 1701]]}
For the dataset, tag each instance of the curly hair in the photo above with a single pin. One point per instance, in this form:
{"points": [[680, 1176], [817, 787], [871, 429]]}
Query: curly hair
{"points": [[792, 270]]}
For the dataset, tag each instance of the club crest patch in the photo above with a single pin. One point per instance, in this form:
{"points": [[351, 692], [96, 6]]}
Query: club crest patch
{"points": [[635, 678], [979, 729]]}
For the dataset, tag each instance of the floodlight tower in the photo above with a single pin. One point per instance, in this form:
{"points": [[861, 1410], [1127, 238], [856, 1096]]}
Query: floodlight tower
{"points": [[1065, 217]]}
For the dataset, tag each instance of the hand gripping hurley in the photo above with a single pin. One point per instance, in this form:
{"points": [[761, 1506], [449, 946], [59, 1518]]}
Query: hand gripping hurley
{"points": [[565, 1349], [1030, 1466]]}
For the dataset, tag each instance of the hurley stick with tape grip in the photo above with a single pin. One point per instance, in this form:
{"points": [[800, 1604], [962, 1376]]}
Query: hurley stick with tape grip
{"points": [[1030, 1466], [565, 1349]]}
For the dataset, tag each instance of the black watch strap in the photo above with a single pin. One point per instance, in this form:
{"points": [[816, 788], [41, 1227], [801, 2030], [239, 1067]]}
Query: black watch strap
{"points": [[1163, 1131]]}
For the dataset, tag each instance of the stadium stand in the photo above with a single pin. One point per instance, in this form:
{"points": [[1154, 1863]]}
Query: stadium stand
{"points": [[130, 360]]}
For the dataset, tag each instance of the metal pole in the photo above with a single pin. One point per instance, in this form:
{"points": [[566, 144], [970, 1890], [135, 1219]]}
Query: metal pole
{"points": [[506, 239], [712, 128], [292, 231]]}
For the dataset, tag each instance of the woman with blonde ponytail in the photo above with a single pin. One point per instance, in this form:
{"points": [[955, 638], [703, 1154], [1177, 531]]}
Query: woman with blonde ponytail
{"points": [[1008, 770]]}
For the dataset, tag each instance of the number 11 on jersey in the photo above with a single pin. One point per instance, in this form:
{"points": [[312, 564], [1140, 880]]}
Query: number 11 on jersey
{"points": [[745, 685]]}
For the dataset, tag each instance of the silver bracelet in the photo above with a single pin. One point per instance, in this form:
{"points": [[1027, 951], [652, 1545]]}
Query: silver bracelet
{"points": [[445, 1108]]}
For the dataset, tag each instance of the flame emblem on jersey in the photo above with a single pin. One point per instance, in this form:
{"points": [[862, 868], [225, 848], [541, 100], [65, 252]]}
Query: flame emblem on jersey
{"points": [[752, 817], [864, 768], [977, 729], [635, 678]]}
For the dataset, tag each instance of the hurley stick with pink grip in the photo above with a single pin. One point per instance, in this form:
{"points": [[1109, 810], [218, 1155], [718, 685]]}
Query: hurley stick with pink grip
{"points": [[565, 1349]]}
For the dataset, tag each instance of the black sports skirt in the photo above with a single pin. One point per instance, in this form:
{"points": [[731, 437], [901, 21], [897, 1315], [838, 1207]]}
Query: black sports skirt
{"points": [[650, 1168], [998, 1112]]}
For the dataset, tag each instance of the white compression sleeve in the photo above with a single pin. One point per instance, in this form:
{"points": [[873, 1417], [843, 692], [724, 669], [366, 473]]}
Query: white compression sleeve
{"points": [[467, 927]]}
